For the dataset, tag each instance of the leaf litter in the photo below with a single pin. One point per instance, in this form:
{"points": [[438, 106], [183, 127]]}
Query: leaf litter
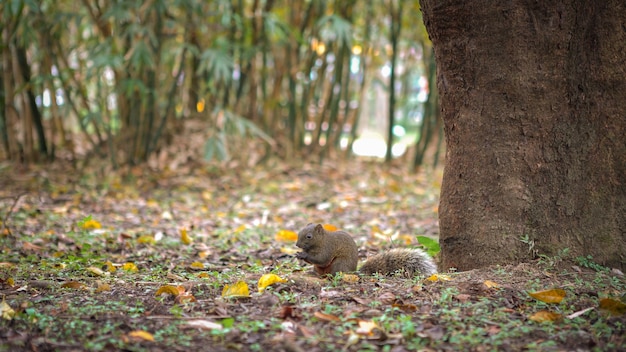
{"points": [[160, 259]]}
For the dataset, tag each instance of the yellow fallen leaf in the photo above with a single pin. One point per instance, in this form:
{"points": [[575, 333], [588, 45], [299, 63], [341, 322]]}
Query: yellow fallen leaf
{"points": [[196, 265], [184, 236], [103, 287], [60, 266], [203, 275], [91, 224], [329, 227], [549, 296], [10, 282], [438, 277], [96, 271], [544, 315], [146, 239], [613, 306], [267, 280], [170, 289], [140, 334], [240, 228], [350, 278], [110, 267], [491, 284], [286, 236], [366, 327], [130, 267], [6, 311], [238, 290]]}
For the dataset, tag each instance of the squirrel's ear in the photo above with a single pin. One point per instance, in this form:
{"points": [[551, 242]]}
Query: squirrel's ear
{"points": [[319, 228]]}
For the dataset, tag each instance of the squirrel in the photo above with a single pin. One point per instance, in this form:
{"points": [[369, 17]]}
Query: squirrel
{"points": [[331, 252]]}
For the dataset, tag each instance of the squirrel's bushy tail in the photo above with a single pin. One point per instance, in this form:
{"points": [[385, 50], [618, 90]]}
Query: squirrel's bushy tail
{"points": [[412, 261]]}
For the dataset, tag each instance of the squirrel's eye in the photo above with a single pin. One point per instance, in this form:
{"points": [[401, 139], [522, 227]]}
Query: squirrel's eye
{"points": [[309, 236]]}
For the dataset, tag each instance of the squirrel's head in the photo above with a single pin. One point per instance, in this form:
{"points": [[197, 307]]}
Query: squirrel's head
{"points": [[310, 236]]}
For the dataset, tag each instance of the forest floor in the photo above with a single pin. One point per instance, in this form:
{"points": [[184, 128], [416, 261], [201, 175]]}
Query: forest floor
{"points": [[143, 261]]}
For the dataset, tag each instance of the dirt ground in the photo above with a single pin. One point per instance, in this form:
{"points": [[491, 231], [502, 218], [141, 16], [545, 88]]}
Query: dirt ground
{"points": [[83, 257]]}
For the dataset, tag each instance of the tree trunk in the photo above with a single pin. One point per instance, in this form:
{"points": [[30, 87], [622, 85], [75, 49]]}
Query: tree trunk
{"points": [[533, 98]]}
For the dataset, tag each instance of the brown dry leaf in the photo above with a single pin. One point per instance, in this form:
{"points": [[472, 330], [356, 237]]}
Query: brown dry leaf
{"points": [[185, 297], [405, 307], [27, 246], [74, 285], [238, 290], [544, 315], [326, 317], [5, 265], [549, 296], [612, 306], [286, 236], [141, 335]]}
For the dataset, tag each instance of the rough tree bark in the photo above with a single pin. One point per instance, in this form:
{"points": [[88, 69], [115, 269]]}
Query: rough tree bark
{"points": [[533, 97]]}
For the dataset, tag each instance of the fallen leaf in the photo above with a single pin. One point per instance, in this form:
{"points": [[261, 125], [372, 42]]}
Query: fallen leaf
{"points": [[110, 267], [74, 285], [329, 227], [184, 236], [96, 271], [350, 278], [549, 296], [6, 311], [366, 327], [491, 284], [185, 297], [130, 267], [612, 306], [170, 289], [238, 290], [545, 316], [146, 239], [196, 266], [91, 224], [326, 317], [438, 277], [103, 288], [286, 236], [267, 280], [142, 335]]}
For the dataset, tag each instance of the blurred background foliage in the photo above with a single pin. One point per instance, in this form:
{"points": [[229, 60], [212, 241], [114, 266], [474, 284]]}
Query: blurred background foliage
{"points": [[133, 81]]}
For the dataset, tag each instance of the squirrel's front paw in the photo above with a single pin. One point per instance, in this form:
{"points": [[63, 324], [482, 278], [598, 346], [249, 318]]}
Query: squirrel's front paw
{"points": [[301, 255]]}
